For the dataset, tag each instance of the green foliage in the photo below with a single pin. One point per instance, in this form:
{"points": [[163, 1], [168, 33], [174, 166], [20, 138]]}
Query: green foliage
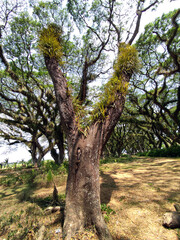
{"points": [[63, 169], [123, 159], [9, 180], [31, 90], [27, 177], [155, 37], [81, 114], [107, 211], [50, 42], [151, 115], [49, 176], [173, 151], [49, 165], [55, 169], [127, 61]]}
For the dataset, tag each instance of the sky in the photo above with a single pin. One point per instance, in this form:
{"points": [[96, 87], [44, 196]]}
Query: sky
{"points": [[20, 152]]}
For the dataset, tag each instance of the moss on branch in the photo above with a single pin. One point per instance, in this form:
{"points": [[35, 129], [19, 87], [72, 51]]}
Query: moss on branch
{"points": [[125, 65], [127, 61], [50, 42]]}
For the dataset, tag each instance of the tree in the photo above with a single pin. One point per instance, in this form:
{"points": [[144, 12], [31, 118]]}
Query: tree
{"points": [[155, 96], [129, 137], [85, 147], [28, 107], [88, 127], [151, 117]]}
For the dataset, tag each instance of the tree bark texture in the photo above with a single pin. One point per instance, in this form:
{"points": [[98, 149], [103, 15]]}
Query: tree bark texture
{"points": [[59, 136], [83, 188]]}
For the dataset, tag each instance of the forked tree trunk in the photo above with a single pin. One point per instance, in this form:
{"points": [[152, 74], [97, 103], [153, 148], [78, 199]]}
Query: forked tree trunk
{"points": [[83, 188]]}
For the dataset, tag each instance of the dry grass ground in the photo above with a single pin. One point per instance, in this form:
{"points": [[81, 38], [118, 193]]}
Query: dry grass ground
{"points": [[139, 191]]}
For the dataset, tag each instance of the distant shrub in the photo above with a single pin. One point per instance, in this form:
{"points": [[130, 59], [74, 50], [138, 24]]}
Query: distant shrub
{"points": [[173, 151], [49, 176], [56, 169], [125, 158], [9, 180], [28, 177], [50, 165], [63, 169], [24, 195]]}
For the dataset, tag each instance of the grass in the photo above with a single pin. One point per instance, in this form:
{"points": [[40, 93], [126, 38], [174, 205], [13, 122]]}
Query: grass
{"points": [[135, 193]]}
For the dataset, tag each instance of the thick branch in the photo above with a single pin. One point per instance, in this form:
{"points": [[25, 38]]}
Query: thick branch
{"points": [[139, 14], [63, 97], [177, 111], [113, 113], [172, 54], [5, 62]]}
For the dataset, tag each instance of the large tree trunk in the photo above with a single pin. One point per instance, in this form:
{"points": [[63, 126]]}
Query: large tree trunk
{"points": [[83, 188]]}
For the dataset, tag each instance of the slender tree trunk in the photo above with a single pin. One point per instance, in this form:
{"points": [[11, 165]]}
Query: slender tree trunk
{"points": [[33, 154], [59, 136], [60, 145], [83, 188], [58, 157]]}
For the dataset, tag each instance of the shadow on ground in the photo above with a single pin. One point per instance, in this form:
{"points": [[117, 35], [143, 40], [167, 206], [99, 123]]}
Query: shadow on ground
{"points": [[108, 185]]}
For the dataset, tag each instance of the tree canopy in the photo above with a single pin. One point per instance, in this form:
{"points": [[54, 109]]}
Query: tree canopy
{"points": [[151, 118]]}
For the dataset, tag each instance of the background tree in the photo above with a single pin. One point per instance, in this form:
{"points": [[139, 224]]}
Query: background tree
{"points": [[28, 106], [152, 109], [159, 85]]}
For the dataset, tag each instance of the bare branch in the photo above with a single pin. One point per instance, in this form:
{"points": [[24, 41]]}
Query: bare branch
{"points": [[139, 15]]}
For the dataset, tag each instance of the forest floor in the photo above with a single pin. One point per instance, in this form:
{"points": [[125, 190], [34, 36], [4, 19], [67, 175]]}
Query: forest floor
{"points": [[139, 190]]}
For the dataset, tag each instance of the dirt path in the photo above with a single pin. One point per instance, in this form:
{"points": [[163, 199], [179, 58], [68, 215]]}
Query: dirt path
{"points": [[140, 193]]}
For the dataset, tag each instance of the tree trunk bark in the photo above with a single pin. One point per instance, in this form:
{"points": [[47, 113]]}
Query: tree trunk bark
{"points": [[33, 154], [59, 136], [60, 145], [58, 158], [83, 189]]}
